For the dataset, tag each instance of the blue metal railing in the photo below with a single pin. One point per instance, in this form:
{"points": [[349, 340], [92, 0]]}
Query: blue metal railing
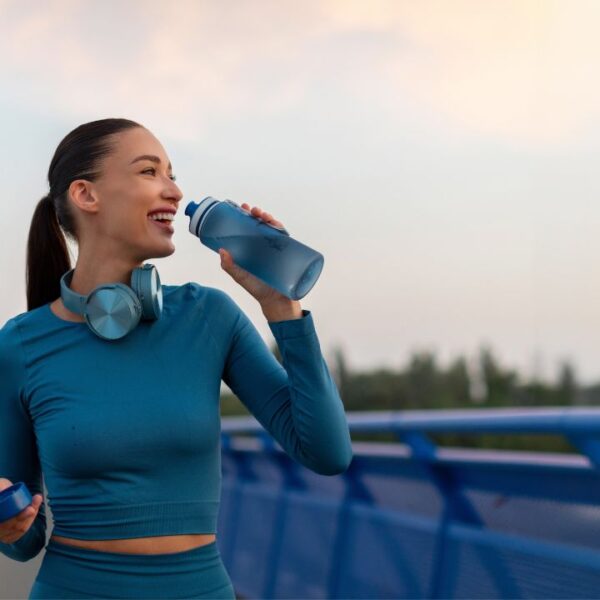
{"points": [[414, 520]]}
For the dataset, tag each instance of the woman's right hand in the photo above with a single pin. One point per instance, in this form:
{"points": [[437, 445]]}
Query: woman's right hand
{"points": [[16, 527]]}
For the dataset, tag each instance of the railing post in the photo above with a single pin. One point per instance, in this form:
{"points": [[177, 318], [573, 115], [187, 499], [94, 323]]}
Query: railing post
{"points": [[291, 480], [457, 507], [355, 491], [243, 474], [587, 445]]}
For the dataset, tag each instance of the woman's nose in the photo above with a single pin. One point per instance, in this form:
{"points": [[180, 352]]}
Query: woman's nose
{"points": [[173, 192]]}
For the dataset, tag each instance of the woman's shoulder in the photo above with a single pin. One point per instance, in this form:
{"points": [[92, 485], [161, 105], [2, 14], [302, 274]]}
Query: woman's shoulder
{"points": [[195, 292], [11, 327], [10, 341], [24, 321]]}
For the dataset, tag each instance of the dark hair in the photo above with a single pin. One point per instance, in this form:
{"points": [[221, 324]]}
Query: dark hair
{"points": [[78, 156]]}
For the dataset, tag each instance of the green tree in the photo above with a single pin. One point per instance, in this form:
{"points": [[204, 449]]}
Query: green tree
{"points": [[567, 384], [340, 372], [501, 383]]}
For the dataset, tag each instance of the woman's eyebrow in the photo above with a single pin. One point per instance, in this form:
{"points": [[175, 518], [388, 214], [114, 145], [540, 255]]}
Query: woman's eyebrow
{"points": [[149, 157]]}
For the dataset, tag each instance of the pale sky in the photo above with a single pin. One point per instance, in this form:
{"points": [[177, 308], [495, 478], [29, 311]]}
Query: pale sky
{"points": [[440, 155]]}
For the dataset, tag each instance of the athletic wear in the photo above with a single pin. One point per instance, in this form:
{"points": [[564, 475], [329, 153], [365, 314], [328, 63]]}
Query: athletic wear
{"points": [[70, 572], [127, 432]]}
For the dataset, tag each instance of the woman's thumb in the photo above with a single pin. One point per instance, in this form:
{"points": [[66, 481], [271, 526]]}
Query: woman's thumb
{"points": [[227, 263], [5, 483]]}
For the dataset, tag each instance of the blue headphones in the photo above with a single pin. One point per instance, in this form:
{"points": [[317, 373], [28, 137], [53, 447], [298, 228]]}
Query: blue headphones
{"points": [[114, 309]]}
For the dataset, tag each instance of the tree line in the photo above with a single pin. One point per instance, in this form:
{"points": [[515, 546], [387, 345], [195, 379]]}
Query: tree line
{"points": [[480, 382]]}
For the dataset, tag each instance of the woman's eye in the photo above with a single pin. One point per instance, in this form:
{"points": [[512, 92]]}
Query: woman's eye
{"points": [[172, 177]]}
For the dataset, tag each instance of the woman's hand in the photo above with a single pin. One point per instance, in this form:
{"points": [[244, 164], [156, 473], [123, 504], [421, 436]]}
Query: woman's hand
{"points": [[265, 294], [16, 527]]}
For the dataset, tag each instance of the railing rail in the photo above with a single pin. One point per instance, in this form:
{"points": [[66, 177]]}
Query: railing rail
{"points": [[580, 426], [571, 420], [415, 519]]}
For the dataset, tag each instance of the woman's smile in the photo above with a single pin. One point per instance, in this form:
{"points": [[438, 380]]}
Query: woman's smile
{"points": [[164, 225]]}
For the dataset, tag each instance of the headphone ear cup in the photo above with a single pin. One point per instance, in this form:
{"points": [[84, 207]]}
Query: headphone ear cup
{"points": [[145, 282], [112, 311]]}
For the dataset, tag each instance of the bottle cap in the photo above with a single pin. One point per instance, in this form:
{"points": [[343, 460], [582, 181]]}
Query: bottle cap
{"points": [[198, 211], [13, 500]]}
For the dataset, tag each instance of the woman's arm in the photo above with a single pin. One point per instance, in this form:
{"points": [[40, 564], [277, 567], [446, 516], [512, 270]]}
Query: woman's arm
{"points": [[18, 451], [297, 403]]}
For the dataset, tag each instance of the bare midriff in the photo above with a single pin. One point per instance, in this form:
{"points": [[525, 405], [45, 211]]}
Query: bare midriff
{"points": [[164, 544]]}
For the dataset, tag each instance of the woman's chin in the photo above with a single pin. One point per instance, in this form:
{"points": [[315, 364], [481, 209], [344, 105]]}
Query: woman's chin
{"points": [[160, 251], [166, 251]]}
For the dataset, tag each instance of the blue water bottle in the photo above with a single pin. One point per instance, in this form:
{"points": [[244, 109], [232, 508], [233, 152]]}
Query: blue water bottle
{"points": [[266, 251]]}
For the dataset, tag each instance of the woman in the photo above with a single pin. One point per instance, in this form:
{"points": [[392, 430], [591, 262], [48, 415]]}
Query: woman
{"points": [[126, 431]]}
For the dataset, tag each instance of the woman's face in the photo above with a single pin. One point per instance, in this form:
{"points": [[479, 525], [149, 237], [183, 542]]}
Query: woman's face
{"points": [[128, 189]]}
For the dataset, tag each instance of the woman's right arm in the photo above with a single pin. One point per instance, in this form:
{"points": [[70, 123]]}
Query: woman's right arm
{"points": [[19, 459]]}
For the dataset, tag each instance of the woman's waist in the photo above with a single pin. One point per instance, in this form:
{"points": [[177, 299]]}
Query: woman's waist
{"points": [[106, 521], [163, 544]]}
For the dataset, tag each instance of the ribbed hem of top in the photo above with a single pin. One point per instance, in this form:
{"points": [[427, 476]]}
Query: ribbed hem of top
{"points": [[292, 328], [136, 520]]}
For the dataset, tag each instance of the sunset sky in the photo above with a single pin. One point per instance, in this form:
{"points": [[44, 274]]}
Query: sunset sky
{"points": [[442, 155]]}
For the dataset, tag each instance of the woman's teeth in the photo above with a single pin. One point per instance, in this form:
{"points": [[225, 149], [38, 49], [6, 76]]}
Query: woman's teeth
{"points": [[163, 220], [161, 216]]}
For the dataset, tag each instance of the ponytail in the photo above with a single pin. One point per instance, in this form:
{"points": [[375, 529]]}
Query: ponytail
{"points": [[78, 156], [47, 255]]}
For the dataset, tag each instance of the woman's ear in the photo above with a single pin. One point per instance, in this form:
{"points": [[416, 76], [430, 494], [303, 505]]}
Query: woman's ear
{"points": [[82, 195]]}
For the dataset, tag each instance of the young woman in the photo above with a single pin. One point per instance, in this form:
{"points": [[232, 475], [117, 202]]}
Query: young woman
{"points": [[125, 427]]}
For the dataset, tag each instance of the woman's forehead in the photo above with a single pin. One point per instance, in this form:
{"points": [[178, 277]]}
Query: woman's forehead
{"points": [[139, 145]]}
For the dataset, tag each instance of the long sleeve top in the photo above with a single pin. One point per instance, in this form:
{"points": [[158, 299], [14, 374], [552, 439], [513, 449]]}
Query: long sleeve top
{"points": [[127, 432]]}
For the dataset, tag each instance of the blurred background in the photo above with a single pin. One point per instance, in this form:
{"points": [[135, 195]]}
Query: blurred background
{"points": [[441, 155]]}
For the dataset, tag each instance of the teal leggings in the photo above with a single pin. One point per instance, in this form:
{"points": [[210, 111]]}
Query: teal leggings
{"points": [[70, 572]]}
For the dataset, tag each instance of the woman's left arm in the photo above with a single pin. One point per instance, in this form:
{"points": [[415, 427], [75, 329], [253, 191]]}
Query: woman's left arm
{"points": [[297, 403]]}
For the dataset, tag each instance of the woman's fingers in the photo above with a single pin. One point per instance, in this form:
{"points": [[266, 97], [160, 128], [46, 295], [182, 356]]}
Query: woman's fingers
{"points": [[17, 526], [18, 529], [256, 211], [25, 514], [31, 510], [13, 529], [16, 534]]}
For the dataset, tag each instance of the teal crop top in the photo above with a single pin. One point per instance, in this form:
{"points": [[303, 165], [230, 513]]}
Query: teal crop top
{"points": [[117, 426]]}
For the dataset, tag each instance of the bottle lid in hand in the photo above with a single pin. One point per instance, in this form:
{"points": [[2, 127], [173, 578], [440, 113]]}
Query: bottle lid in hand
{"points": [[13, 500]]}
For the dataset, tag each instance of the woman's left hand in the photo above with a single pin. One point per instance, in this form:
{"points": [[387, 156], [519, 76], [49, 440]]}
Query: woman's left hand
{"points": [[265, 294]]}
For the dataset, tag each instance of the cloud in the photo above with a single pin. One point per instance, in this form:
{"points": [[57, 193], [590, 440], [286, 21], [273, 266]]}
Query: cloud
{"points": [[521, 71]]}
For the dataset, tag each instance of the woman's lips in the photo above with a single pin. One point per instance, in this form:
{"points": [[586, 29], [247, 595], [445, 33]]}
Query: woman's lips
{"points": [[165, 226]]}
